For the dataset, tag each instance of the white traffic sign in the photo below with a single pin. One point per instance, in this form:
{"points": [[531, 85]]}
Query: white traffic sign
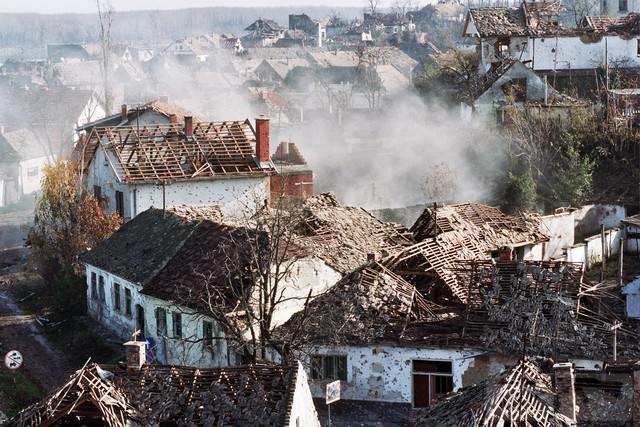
{"points": [[333, 392], [13, 359]]}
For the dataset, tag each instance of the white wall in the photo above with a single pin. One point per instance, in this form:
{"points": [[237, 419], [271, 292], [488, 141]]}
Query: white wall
{"points": [[303, 411], [590, 252], [188, 351], [590, 218], [384, 373], [306, 273], [236, 196], [561, 229], [31, 184]]}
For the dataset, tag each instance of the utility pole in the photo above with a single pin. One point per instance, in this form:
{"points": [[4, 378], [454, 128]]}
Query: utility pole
{"points": [[615, 328], [621, 262], [603, 266]]}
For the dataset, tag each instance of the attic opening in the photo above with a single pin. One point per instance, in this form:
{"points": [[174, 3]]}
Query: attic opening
{"points": [[502, 47]]}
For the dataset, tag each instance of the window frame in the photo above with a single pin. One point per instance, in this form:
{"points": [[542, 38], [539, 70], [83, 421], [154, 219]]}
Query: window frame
{"points": [[161, 321], [433, 377], [94, 286], [623, 5], [117, 306], [128, 297], [101, 291], [207, 339], [33, 172], [120, 203], [319, 370], [176, 324]]}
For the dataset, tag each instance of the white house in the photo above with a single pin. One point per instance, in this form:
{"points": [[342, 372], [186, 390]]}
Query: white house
{"points": [[136, 167], [387, 343], [150, 276], [532, 35]]}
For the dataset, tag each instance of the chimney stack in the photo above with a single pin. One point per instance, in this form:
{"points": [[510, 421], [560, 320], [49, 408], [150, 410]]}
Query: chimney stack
{"points": [[262, 139], [136, 354], [188, 126], [564, 379], [124, 112], [173, 119], [164, 99]]}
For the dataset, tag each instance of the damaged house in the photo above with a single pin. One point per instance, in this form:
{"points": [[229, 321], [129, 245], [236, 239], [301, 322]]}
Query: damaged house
{"points": [[531, 34], [391, 341], [133, 168], [155, 273], [139, 394], [510, 85]]}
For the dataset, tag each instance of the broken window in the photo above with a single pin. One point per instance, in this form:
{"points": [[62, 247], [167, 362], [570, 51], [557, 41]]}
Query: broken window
{"points": [[101, 287], [329, 367], [516, 90], [127, 301], [120, 203], [623, 5], [432, 380], [116, 296], [161, 322], [33, 172], [177, 325], [502, 47], [94, 286], [207, 334], [97, 192]]}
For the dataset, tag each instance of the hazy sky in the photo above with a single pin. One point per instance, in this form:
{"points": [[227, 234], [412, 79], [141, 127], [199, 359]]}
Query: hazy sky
{"points": [[84, 6]]}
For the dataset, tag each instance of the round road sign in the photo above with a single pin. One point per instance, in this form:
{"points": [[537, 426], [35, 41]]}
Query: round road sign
{"points": [[13, 359]]}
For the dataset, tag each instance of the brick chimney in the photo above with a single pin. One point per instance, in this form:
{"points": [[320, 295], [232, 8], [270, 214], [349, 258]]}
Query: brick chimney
{"points": [[136, 354], [124, 111], [262, 139], [173, 119], [564, 380], [188, 126]]}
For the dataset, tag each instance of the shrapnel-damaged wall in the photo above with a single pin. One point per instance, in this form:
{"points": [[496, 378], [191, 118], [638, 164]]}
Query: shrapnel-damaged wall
{"points": [[384, 373]]}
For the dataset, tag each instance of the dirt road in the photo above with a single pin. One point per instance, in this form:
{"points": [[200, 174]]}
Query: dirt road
{"points": [[43, 364]]}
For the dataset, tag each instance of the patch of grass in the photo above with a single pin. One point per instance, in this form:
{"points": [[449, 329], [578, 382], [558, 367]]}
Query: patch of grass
{"points": [[17, 391], [82, 339]]}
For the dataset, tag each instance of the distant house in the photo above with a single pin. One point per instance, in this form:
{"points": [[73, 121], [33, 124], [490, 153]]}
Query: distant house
{"points": [[263, 32], [512, 85], [36, 131], [135, 167], [531, 34], [144, 394], [148, 276], [67, 52], [275, 72], [194, 48]]}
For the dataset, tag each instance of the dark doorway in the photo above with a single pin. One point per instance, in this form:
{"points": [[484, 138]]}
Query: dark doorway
{"points": [[140, 321]]}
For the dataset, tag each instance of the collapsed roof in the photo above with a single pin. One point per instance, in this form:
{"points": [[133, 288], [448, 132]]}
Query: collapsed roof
{"points": [[371, 304], [529, 19], [199, 243], [492, 228], [166, 153], [256, 395], [522, 395]]}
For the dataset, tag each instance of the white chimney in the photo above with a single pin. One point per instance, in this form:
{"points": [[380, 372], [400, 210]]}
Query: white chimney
{"points": [[136, 354]]}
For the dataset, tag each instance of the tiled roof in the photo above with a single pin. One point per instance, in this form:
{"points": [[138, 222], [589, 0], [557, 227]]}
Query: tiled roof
{"points": [[369, 305], [528, 19], [488, 224], [144, 245], [522, 395], [256, 395], [164, 153]]}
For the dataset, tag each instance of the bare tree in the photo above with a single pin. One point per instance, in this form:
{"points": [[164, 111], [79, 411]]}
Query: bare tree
{"points": [[372, 6], [369, 81], [105, 20], [576, 10], [248, 286]]}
